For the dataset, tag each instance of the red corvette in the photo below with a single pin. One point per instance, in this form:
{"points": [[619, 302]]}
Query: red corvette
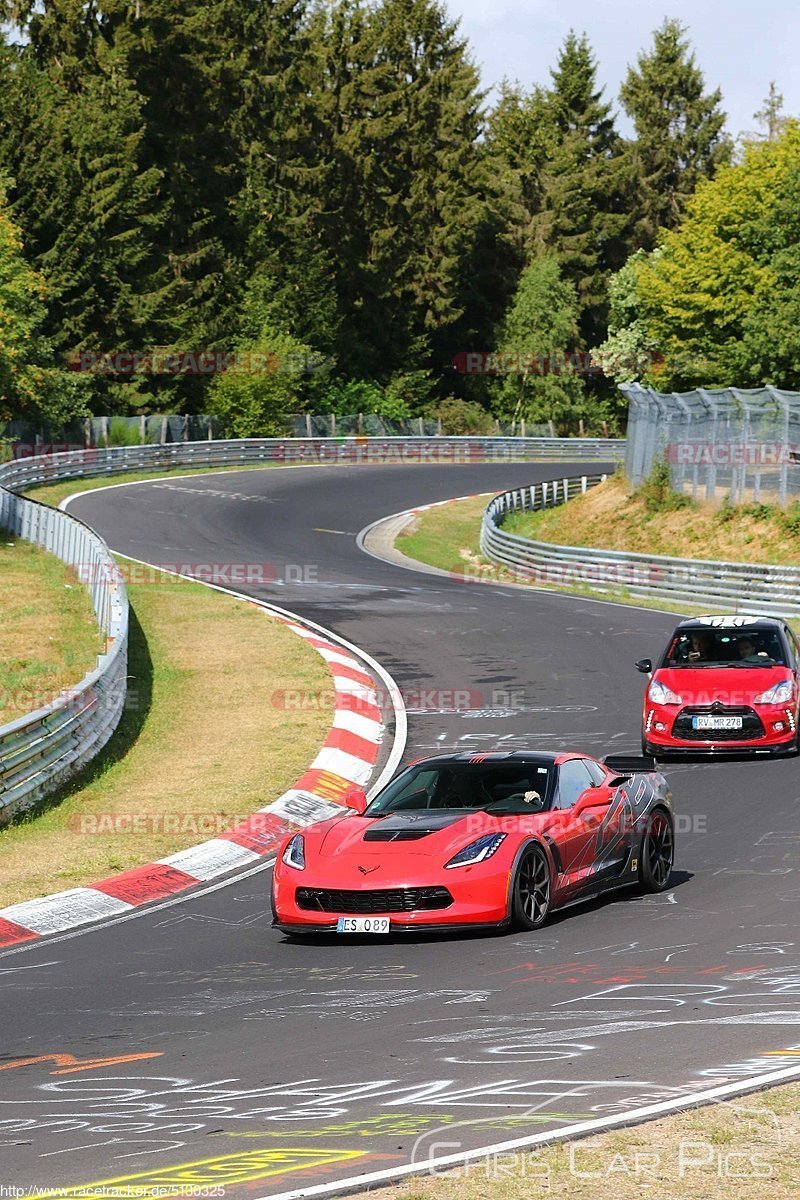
{"points": [[723, 684], [476, 840]]}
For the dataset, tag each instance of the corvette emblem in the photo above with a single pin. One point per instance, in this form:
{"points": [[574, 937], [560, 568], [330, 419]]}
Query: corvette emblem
{"points": [[367, 870]]}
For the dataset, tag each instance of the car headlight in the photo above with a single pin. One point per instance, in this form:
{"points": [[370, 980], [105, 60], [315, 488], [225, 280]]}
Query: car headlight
{"points": [[294, 854], [477, 851], [659, 693], [781, 693]]}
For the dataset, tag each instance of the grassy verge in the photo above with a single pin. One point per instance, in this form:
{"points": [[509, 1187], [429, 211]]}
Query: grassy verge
{"points": [[202, 741], [48, 633], [448, 537], [747, 1148], [612, 517]]}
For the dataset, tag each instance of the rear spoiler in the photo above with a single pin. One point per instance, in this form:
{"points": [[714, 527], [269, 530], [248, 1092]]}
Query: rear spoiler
{"points": [[629, 764]]}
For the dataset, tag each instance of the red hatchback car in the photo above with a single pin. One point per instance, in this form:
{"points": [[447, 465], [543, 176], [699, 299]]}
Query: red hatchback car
{"points": [[723, 684]]}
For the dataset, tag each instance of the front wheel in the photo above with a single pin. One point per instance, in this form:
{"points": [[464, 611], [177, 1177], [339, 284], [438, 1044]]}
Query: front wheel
{"points": [[657, 852], [530, 901]]}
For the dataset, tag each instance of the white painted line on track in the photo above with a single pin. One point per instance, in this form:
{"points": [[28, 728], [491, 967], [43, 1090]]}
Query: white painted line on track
{"points": [[426, 569], [300, 625], [140, 911]]}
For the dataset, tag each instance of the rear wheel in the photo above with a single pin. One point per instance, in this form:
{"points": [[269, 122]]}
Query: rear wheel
{"points": [[530, 901], [657, 852]]}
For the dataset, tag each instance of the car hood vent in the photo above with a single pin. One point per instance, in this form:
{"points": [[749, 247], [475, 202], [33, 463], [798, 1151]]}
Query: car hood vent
{"points": [[396, 835], [410, 827]]}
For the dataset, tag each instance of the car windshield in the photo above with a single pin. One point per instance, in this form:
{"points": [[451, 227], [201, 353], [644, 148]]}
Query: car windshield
{"points": [[752, 645], [502, 788]]}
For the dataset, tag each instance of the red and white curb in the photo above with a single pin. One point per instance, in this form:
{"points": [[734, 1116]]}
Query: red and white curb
{"points": [[348, 756]]}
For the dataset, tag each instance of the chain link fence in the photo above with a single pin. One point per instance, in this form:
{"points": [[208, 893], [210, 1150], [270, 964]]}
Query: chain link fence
{"points": [[23, 438], [734, 442]]}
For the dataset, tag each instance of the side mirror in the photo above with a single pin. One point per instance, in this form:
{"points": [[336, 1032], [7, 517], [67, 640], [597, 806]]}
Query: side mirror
{"points": [[594, 797], [356, 799], [645, 666]]}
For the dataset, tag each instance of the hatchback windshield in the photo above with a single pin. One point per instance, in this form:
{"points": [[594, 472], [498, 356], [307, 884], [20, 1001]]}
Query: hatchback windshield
{"points": [[508, 788], [749, 646]]}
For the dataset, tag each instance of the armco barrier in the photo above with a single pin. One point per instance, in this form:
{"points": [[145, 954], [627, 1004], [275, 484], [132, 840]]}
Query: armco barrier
{"points": [[42, 749], [726, 586], [25, 472], [39, 751]]}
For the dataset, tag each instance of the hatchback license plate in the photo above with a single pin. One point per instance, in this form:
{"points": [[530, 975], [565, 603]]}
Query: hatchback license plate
{"points": [[362, 925], [717, 722]]}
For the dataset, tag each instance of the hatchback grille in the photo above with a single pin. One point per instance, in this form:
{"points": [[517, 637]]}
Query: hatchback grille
{"points": [[751, 725], [384, 900]]}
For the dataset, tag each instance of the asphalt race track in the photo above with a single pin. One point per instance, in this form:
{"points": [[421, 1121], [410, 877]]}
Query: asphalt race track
{"points": [[278, 1065]]}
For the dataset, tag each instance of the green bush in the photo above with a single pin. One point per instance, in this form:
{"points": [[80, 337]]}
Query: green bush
{"points": [[122, 432], [257, 399], [463, 417], [726, 512], [759, 512], [789, 519], [349, 397], [657, 492]]}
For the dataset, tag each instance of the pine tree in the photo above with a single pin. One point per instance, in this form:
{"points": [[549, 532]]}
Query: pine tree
{"points": [[521, 136], [409, 184], [583, 219], [70, 141], [680, 131], [770, 116]]}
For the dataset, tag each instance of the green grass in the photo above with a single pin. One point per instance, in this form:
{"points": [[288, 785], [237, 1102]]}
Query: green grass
{"points": [[613, 517], [49, 637], [448, 537], [203, 741], [746, 1148]]}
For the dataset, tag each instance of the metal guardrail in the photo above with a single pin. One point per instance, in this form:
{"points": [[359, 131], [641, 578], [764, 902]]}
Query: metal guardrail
{"points": [[724, 586], [40, 751], [25, 472]]}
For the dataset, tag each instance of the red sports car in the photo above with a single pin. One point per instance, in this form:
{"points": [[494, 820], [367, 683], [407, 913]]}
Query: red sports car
{"points": [[478, 840], [723, 684]]}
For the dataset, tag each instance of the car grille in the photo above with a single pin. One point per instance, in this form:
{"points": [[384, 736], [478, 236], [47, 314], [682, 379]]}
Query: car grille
{"points": [[751, 725], [384, 900]]}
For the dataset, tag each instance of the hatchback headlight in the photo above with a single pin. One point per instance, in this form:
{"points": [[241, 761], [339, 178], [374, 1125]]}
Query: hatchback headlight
{"points": [[781, 693], [659, 693]]}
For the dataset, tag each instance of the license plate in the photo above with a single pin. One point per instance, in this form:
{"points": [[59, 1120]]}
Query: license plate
{"points": [[717, 722], [362, 925]]}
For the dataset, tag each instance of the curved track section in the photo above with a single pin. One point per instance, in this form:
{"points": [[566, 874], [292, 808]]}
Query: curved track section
{"points": [[196, 1045]]}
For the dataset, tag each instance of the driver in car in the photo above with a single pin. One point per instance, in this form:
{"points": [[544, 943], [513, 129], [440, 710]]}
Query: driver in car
{"points": [[701, 646], [748, 649]]}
